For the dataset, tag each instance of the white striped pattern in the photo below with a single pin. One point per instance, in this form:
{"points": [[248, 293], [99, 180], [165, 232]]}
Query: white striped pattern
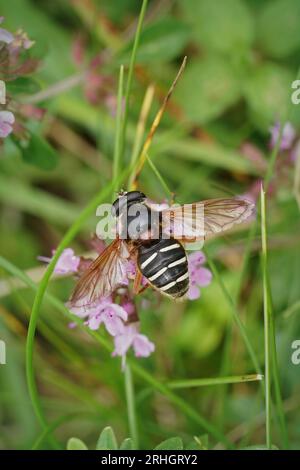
{"points": [[168, 286], [151, 258], [179, 261], [183, 277], [170, 247], [171, 284], [159, 273]]}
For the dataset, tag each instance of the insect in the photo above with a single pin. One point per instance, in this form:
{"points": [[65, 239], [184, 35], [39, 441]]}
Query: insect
{"points": [[162, 260]]}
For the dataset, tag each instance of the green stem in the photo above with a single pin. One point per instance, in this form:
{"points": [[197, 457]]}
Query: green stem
{"points": [[130, 399], [267, 325], [140, 130], [159, 176], [276, 379], [236, 317], [117, 152], [214, 381], [130, 74]]}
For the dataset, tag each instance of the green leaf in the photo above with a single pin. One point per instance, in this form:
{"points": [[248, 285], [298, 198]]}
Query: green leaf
{"points": [[224, 26], [26, 85], [127, 444], [278, 28], [107, 440], [38, 152], [267, 92], [207, 89], [76, 444], [174, 443], [163, 40]]}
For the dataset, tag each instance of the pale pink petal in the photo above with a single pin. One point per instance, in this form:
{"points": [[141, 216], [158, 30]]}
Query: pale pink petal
{"points": [[193, 292], [287, 137], [129, 307], [95, 321], [6, 36], [196, 258], [124, 341], [113, 324], [203, 277], [67, 262], [119, 311], [6, 121], [142, 346], [84, 308]]}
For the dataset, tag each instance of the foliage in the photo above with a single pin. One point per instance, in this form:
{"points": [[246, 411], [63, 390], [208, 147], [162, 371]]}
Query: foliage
{"points": [[213, 141]]}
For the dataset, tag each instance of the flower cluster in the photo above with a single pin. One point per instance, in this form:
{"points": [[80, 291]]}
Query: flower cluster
{"points": [[117, 313], [288, 149], [15, 62], [98, 86]]}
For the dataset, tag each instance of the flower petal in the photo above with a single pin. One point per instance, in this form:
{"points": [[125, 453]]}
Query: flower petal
{"points": [[198, 257], [142, 346], [203, 277], [113, 324], [193, 293], [6, 36]]}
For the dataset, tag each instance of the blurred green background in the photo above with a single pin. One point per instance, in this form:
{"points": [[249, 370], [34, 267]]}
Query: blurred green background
{"points": [[214, 141]]}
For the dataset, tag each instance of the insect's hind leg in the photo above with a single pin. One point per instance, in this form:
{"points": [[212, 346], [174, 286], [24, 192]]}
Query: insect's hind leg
{"points": [[137, 289]]}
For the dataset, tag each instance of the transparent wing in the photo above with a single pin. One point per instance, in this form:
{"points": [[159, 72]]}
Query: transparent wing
{"points": [[200, 219], [222, 214], [103, 275]]}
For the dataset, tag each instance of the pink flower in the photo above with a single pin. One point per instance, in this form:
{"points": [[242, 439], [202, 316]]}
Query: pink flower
{"points": [[111, 315], [103, 311], [67, 262], [78, 49], [199, 276], [5, 36], [287, 137], [129, 306], [21, 41], [6, 121], [131, 337]]}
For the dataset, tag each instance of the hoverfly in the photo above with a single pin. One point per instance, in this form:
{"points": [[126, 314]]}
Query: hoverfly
{"points": [[161, 260]]}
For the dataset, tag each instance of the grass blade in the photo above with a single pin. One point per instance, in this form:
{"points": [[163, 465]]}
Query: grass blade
{"points": [[130, 75], [215, 381], [130, 399], [117, 148], [267, 324]]}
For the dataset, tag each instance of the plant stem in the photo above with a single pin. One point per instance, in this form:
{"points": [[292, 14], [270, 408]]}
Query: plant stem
{"points": [[117, 150], [267, 325], [130, 399], [140, 130], [56, 89], [130, 74], [215, 381], [159, 176]]}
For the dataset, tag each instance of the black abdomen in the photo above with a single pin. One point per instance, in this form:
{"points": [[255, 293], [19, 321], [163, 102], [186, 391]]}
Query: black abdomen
{"points": [[164, 264]]}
